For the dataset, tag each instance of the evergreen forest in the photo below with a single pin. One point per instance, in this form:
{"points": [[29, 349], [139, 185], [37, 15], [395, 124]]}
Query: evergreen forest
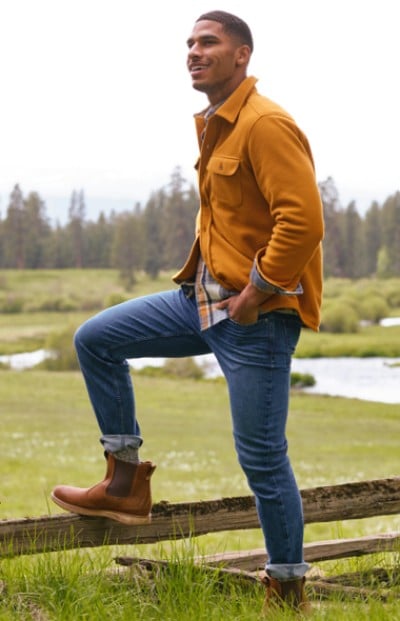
{"points": [[157, 236]]}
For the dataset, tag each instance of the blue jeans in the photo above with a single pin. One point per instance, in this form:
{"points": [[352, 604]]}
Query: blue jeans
{"points": [[255, 360]]}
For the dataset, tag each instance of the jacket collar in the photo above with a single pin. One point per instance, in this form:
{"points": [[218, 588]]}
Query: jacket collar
{"points": [[231, 107]]}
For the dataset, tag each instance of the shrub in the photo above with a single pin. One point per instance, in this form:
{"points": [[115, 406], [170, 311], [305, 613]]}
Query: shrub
{"points": [[113, 299], [339, 317], [53, 304], [349, 299], [11, 305], [183, 368], [64, 356], [334, 287], [301, 380], [91, 304], [393, 294], [373, 308]]}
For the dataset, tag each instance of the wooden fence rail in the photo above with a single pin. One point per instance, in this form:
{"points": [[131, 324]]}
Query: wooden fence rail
{"points": [[175, 521]]}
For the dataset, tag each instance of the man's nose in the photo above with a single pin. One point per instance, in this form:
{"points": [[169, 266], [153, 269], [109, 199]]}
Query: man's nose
{"points": [[194, 51]]}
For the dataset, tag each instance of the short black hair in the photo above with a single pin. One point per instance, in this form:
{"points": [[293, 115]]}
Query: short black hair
{"points": [[231, 24]]}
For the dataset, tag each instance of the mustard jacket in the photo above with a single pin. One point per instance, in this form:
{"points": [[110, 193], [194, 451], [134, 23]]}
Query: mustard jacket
{"points": [[260, 206]]}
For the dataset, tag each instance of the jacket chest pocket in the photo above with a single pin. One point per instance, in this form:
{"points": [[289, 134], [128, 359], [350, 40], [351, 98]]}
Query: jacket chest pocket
{"points": [[224, 181]]}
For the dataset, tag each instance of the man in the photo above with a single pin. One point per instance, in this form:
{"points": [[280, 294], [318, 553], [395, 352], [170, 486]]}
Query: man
{"points": [[252, 279]]}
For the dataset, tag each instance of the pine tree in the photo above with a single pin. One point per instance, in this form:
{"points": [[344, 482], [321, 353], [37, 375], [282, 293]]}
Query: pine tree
{"points": [[15, 231], [372, 227], [179, 220], [77, 215], [127, 246], [152, 221], [98, 242], [391, 233], [353, 247], [38, 231], [332, 243]]}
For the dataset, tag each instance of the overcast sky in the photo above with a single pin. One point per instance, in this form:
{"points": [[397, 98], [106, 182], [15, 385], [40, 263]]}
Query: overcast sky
{"points": [[95, 93]]}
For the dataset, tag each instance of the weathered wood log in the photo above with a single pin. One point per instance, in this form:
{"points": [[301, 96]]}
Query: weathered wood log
{"points": [[351, 500], [347, 548], [367, 577], [155, 566], [253, 560], [180, 520], [320, 589]]}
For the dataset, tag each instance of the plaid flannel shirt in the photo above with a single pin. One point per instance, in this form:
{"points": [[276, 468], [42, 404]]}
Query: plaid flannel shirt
{"points": [[208, 293]]}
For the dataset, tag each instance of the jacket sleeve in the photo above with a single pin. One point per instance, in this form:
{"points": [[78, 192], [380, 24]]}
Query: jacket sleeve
{"points": [[283, 165]]}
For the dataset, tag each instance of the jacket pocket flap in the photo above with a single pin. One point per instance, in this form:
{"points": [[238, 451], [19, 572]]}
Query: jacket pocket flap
{"points": [[223, 165]]}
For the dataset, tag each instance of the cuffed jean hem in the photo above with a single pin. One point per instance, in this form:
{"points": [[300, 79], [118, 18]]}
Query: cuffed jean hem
{"points": [[285, 572], [115, 443]]}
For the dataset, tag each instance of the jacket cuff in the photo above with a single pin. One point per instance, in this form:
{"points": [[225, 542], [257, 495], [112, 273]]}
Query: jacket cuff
{"points": [[263, 285]]}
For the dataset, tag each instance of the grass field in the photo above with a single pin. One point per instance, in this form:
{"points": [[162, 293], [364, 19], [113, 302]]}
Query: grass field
{"points": [[49, 436]]}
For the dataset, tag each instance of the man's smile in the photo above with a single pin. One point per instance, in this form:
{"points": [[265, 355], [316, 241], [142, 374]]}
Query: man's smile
{"points": [[195, 68]]}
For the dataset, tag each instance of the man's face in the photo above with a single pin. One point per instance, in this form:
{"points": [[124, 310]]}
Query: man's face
{"points": [[216, 61]]}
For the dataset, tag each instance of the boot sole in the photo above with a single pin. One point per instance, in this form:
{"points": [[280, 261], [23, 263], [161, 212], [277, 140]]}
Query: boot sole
{"points": [[123, 518]]}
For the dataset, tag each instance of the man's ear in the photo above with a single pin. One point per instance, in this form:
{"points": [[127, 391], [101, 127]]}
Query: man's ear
{"points": [[243, 55]]}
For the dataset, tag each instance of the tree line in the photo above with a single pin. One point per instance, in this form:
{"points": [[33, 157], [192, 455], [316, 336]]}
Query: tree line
{"points": [[158, 235]]}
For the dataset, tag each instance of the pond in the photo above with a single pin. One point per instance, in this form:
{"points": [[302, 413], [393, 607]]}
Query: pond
{"points": [[372, 379]]}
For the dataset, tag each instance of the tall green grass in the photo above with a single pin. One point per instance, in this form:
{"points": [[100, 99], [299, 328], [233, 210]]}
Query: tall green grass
{"points": [[66, 586]]}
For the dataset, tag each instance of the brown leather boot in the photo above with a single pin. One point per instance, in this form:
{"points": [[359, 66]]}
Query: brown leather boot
{"points": [[289, 593], [124, 495]]}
